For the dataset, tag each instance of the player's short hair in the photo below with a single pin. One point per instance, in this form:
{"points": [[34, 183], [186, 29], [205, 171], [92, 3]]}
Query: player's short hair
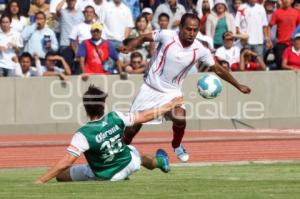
{"points": [[187, 16], [164, 15], [94, 101]]}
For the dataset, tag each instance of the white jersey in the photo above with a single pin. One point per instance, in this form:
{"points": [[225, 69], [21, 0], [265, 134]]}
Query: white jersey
{"points": [[172, 62]]}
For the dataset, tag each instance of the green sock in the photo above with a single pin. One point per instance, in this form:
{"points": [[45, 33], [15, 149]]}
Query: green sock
{"points": [[159, 162]]}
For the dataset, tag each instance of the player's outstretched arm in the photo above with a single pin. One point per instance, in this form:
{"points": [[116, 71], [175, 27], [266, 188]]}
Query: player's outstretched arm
{"points": [[134, 43], [224, 74], [148, 115], [64, 163]]}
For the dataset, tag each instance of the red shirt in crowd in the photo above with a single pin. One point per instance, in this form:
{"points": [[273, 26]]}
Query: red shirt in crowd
{"points": [[286, 21], [292, 57]]}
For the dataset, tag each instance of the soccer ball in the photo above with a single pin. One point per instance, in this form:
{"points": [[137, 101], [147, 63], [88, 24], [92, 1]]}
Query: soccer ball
{"points": [[209, 86]]}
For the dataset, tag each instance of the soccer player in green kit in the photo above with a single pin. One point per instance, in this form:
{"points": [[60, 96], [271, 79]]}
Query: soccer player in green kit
{"points": [[101, 142]]}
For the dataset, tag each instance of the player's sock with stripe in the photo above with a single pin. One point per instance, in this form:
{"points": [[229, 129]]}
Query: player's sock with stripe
{"points": [[178, 133]]}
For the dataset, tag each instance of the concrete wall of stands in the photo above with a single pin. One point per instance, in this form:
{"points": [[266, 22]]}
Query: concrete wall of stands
{"points": [[46, 105]]}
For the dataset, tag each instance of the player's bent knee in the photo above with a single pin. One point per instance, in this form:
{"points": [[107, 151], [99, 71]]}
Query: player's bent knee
{"points": [[64, 176]]}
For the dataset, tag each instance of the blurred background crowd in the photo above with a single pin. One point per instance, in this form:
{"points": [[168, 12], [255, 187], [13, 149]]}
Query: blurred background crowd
{"points": [[71, 37]]}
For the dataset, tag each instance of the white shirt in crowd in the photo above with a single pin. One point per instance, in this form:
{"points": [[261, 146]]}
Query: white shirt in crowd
{"points": [[99, 9], [172, 62], [251, 20], [79, 144], [231, 55], [32, 72], [7, 40], [54, 4], [116, 19], [19, 24], [81, 32]]}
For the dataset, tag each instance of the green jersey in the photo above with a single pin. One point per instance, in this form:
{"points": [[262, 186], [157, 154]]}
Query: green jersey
{"points": [[106, 153]]}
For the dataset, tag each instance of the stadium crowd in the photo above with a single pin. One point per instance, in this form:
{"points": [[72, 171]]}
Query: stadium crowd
{"points": [[71, 37]]}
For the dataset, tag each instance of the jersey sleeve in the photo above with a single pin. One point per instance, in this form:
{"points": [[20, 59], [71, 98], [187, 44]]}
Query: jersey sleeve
{"points": [[128, 118], [206, 57], [78, 145], [162, 35]]}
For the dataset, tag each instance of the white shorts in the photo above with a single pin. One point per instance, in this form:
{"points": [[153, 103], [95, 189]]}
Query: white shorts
{"points": [[148, 98], [84, 172]]}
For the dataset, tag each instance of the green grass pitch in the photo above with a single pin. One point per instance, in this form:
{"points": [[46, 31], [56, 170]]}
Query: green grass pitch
{"points": [[253, 181]]}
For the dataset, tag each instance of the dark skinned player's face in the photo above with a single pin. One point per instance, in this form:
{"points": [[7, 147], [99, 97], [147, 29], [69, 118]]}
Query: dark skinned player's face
{"points": [[189, 31]]}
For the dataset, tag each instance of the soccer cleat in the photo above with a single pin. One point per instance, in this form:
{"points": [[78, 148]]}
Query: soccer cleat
{"points": [[163, 157], [181, 154]]}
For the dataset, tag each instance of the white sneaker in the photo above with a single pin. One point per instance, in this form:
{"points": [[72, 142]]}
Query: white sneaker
{"points": [[181, 154]]}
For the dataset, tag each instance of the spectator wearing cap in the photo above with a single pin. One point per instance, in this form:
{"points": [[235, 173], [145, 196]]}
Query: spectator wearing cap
{"points": [[251, 61], [117, 21], [219, 22], [39, 38], [229, 52], [148, 13], [291, 55], [68, 18], [252, 20], [286, 19], [173, 9], [95, 53]]}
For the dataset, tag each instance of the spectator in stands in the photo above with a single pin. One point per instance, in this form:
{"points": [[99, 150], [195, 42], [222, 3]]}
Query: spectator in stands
{"points": [[24, 68], [296, 31], [291, 55], [10, 44], [286, 19], [39, 38], [148, 13], [173, 9], [219, 22], [199, 7], [68, 18], [229, 52], [163, 21], [98, 5], [140, 29], [270, 7], [37, 6], [236, 6], [18, 22], [82, 31], [117, 21], [252, 20], [296, 5], [250, 61], [136, 65], [96, 53], [206, 9], [51, 69]]}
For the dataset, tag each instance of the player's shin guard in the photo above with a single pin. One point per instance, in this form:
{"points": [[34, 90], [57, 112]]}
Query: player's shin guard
{"points": [[178, 133]]}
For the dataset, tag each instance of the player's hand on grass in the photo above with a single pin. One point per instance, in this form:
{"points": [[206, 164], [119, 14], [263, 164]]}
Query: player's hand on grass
{"points": [[38, 182], [244, 89]]}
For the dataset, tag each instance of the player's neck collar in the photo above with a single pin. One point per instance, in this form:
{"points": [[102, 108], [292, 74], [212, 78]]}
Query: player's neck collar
{"points": [[183, 43]]}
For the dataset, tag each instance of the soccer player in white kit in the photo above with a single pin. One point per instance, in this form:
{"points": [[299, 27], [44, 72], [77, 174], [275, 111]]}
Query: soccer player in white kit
{"points": [[177, 53]]}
